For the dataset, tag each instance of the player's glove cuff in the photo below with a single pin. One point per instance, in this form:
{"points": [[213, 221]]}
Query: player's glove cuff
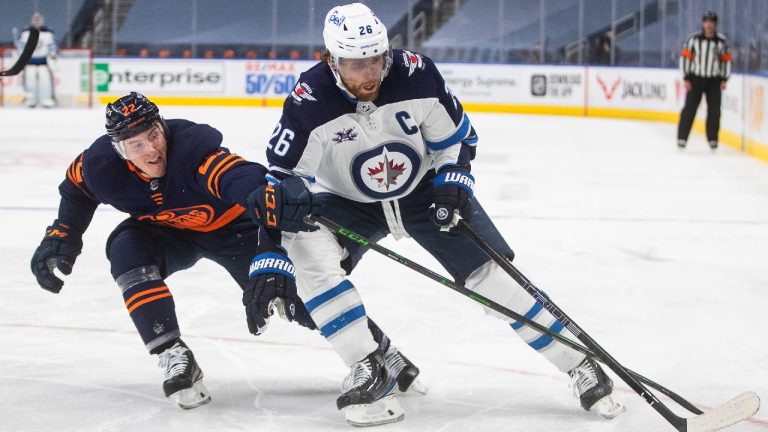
{"points": [[453, 191]]}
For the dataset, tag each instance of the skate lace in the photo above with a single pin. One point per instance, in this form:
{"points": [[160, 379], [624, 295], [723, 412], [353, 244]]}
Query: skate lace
{"points": [[394, 362], [583, 378], [358, 375], [174, 361]]}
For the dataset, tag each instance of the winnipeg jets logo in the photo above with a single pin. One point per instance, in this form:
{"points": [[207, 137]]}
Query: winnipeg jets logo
{"points": [[301, 92], [412, 61], [347, 134], [386, 173]]}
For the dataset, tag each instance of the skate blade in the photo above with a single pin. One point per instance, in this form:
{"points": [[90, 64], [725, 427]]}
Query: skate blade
{"points": [[416, 388], [383, 411], [192, 397], [608, 407]]}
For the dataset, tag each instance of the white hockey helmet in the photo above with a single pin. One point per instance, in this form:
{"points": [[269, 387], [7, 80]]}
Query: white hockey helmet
{"points": [[353, 32]]}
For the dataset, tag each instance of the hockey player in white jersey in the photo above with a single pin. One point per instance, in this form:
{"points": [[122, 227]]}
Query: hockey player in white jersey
{"points": [[379, 139], [38, 75]]}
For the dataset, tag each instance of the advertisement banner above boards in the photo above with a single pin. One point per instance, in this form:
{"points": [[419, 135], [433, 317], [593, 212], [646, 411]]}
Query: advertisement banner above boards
{"points": [[160, 76], [517, 88], [654, 94]]}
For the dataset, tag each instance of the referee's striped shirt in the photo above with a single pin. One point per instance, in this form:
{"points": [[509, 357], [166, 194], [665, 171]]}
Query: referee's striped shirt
{"points": [[706, 58]]}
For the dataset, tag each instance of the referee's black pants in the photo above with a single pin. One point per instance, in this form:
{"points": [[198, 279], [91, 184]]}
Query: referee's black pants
{"points": [[710, 86]]}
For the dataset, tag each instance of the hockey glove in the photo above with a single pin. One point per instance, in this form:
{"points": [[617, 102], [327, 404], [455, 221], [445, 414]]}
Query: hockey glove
{"points": [[59, 249], [453, 191], [282, 206], [272, 287]]}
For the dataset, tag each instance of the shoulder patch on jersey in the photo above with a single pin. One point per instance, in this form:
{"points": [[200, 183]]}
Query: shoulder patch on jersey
{"points": [[301, 92], [346, 134], [412, 61]]}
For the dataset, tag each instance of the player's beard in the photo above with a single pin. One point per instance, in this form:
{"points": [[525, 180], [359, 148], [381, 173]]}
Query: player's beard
{"points": [[365, 92]]}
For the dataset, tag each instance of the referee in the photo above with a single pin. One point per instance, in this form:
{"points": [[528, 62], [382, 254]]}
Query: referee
{"points": [[706, 64]]}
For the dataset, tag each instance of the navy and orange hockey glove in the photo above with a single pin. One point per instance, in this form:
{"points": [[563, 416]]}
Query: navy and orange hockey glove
{"points": [[59, 249], [283, 205], [453, 191], [272, 287]]}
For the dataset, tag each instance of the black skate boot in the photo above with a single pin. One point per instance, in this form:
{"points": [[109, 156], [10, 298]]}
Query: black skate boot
{"points": [[183, 377], [403, 370], [594, 388], [368, 393]]}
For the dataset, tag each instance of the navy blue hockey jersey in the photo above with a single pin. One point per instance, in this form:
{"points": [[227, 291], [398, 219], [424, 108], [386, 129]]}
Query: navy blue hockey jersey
{"points": [[205, 186]]}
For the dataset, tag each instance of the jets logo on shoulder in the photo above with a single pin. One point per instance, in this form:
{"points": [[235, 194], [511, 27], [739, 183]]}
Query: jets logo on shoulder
{"points": [[385, 171], [346, 134], [301, 92], [412, 61]]}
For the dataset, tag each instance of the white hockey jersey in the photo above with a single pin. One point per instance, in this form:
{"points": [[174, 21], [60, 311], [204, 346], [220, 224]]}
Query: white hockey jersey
{"points": [[371, 151], [46, 45]]}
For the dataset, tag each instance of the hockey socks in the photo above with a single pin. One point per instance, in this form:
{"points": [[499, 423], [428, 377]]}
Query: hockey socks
{"points": [[150, 305], [492, 282]]}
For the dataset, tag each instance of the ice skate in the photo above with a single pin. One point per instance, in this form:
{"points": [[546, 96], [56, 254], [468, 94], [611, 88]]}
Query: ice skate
{"points": [[594, 389], [183, 377], [681, 144], [368, 393], [713, 145], [406, 373]]}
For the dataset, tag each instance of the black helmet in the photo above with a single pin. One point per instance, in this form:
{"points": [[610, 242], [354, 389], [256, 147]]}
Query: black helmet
{"points": [[709, 16], [130, 115]]}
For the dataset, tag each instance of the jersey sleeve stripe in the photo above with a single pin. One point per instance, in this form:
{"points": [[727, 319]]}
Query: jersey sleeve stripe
{"points": [[456, 137], [217, 176], [204, 167], [214, 172]]}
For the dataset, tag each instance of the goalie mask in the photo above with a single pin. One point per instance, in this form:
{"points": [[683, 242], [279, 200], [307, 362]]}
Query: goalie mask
{"points": [[129, 116], [354, 36]]}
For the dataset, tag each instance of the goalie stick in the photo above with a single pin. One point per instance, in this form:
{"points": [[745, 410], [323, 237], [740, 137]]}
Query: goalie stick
{"points": [[736, 410], [26, 53], [338, 229]]}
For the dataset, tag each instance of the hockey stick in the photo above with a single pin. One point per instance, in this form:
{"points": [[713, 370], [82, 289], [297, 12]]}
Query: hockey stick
{"points": [[338, 229], [736, 410], [26, 54]]}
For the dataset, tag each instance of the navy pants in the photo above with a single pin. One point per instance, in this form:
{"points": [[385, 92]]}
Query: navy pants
{"points": [[455, 252], [141, 245]]}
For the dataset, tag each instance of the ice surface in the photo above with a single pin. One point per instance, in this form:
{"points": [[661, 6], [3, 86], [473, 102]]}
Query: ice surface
{"points": [[662, 256]]}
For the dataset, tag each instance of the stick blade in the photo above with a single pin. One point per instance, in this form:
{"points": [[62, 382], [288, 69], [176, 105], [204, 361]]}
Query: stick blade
{"points": [[734, 411]]}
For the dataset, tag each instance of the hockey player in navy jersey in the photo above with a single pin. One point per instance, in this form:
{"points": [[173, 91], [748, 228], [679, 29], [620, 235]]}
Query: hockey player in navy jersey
{"points": [[379, 139], [186, 197]]}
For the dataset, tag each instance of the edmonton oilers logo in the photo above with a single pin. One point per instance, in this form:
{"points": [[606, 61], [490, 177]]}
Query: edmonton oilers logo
{"points": [[385, 171]]}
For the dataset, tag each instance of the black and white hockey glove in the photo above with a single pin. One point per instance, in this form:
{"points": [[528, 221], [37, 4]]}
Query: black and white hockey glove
{"points": [[282, 206], [59, 249], [453, 190], [272, 287]]}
